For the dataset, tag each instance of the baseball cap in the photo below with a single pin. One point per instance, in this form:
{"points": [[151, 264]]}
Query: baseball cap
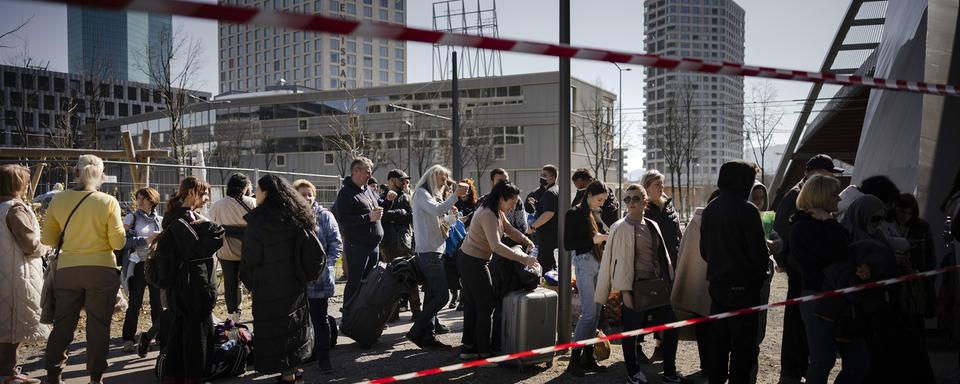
{"points": [[397, 173], [823, 162], [372, 180]]}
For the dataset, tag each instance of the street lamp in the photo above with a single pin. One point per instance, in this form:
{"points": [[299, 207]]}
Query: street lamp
{"points": [[409, 126], [620, 166]]}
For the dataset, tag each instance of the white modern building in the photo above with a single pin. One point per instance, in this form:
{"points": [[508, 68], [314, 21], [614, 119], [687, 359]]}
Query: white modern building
{"points": [[253, 57]]}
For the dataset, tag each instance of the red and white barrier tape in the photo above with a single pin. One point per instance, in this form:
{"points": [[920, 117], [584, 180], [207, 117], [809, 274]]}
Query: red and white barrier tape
{"points": [[658, 328], [317, 23]]}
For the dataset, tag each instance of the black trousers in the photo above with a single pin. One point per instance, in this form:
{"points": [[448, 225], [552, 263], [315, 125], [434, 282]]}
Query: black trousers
{"points": [[231, 284], [137, 284], [546, 244], [321, 329], [361, 258], [480, 302], [632, 319], [794, 353], [733, 340], [186, 346]]}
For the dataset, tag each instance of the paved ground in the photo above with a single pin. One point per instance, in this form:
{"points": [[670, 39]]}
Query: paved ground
{"points": [[393, 355]]}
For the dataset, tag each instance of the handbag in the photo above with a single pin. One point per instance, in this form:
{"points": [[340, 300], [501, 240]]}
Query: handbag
{"points": [[652, 293], [47, 302], [601, 350]]}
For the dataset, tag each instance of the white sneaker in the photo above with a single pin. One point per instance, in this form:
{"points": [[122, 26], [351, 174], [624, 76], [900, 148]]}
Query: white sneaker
{"points": [[638, 378]]}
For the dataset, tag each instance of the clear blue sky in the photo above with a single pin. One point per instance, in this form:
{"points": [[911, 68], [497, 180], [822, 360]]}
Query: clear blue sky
{"points": [[779, 33]]}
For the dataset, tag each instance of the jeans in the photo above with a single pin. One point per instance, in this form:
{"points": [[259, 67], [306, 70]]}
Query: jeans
{"points": [[321, 329], [587, 268], [231, 284], [632, 319], [137, 284], [361, 258], [824, 349], [435, 293], [733, 340], [546, 244], [793, 351], [479, 303]]}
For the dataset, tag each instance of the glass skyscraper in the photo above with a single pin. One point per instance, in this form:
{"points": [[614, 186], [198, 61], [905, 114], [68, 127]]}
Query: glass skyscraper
{"points": [[110, 43]]}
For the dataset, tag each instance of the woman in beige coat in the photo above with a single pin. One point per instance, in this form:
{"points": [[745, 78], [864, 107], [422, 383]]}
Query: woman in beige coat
{"points": [[21, 272]]}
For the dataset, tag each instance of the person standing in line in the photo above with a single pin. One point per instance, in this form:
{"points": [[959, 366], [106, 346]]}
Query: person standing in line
{"points": [[319, 292], [635, 252], [544, 228], [429, 210], [819, 242], [184, 258], [662, 211], [793, 345], [21, 273], [733, 245], [143, 226], [483, 240], [516, 216], [467, 204], [922, 250], [284, 337], [229, 212], [607, 214], [584, 237], [87, 275], [398, 228], [358, 212]]}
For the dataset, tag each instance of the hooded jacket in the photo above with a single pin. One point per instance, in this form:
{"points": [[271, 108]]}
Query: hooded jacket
{"points": [[817, 245], [284, 336], [731, 234], [352, 210]]}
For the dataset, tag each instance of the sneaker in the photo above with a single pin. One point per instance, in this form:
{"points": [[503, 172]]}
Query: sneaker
{"points": [[143, 347], [441, 329], [637, 378], [468, 353], [129, 346]]}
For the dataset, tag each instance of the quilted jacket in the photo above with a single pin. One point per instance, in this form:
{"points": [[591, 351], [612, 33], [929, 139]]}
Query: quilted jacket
{"points": [[21, 279]]}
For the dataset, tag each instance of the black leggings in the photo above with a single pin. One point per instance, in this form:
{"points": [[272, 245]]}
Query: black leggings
{"points": [[321, 329], [479, 303], [137, 284], [231, 284]]}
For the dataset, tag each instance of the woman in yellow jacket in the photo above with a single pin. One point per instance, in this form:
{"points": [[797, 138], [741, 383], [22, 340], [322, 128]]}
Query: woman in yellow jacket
{"points": [[88, 224]]}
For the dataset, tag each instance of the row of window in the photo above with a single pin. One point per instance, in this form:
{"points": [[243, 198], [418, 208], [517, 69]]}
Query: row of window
{"points": [[30, 82]]}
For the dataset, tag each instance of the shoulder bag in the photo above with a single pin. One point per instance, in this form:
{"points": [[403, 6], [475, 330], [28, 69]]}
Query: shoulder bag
{"points": [[46, 294], [655, 292]]}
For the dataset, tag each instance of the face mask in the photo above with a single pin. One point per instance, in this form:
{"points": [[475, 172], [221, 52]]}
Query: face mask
{"points": [[543, 181]]}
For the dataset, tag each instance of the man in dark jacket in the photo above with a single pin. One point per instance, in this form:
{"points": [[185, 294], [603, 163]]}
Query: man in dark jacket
{"points": [[582, 177], [358, 213], [398, 227], [733, 244], [545, 227], [793, 348]]}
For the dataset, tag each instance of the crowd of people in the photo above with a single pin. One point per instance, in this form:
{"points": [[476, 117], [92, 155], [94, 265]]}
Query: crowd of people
{"points": [[632, 253]]}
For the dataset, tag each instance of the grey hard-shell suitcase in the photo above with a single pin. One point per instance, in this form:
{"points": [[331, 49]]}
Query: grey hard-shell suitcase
{"points": [[529, 322]]}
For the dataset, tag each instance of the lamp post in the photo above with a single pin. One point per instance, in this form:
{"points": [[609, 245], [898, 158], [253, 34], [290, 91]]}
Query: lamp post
{"points": [[620, 134], [409, 126]]}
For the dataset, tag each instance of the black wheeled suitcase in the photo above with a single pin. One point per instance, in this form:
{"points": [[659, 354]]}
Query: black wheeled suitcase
{"points": [[369, 309], [529, 322]]}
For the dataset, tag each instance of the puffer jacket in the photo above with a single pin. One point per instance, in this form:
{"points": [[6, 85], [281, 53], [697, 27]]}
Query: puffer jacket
{"points": [[669, 223], [397, 225], [21, 280], [281, 318]]}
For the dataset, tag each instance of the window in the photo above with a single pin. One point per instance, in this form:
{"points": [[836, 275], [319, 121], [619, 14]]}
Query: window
{"points": [[302, 125], [328, 159], [499, 153], [367, 12], [281, 161]]}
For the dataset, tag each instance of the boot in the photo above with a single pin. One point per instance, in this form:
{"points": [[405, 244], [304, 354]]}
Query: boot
{"points": [[588, 363], [575, 367]]}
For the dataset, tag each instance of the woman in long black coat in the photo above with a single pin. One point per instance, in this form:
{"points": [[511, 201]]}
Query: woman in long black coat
{"points": [[283, 335]]}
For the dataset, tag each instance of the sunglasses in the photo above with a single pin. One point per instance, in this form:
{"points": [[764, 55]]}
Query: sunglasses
{"points": [[633, 199]]}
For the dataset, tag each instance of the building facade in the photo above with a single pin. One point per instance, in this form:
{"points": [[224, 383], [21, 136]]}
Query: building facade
{"points": [[678, 103], [43, 108], [112, 44], [253, 57]]}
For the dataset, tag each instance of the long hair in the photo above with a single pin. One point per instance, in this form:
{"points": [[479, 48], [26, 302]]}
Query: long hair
{"points": [[283, 199], [188, 184], [502, 191], [471, 197], [428, 180], [594, 188]]}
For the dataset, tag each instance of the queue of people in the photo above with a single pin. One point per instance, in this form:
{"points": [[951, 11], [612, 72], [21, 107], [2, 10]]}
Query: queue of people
{"points": [[722, 260]]}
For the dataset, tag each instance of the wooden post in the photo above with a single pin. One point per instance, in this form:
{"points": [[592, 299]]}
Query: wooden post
{"points": [[127, 140], [35, 180], [145, 145]]}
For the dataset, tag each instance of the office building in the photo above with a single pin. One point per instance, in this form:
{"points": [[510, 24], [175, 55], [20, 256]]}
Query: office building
{"points": [[711, 30], [253, 57], [112, 44]]}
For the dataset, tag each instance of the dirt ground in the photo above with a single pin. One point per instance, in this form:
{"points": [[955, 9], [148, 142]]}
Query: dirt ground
{"points": [[394, 355]]}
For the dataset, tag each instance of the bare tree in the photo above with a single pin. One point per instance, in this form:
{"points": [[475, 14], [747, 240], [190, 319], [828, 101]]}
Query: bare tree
{"points": [[13, 32], [480, 146], [596, 132], [761, 119], [230, 143], [669, 139], [25, 96], [172, 70], [691, 136], [350, 139]]}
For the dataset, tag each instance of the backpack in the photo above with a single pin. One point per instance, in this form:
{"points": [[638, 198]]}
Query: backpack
{"points": [[158, 263], [308, 257], [230, 350]]}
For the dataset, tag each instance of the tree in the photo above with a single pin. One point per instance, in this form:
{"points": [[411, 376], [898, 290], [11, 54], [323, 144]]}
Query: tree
{"points": [[231, 142], [172, 70], [480, 148], [13, 32], [596, 131], [351, 139], [670, 141], [24, 96], [761, 119], [691, 136]]}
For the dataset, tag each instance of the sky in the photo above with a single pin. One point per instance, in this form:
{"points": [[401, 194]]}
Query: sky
{"points": [[779, 33]]}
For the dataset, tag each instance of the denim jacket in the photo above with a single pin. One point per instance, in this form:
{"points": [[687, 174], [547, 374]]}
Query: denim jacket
{"points": [[329, 235]]}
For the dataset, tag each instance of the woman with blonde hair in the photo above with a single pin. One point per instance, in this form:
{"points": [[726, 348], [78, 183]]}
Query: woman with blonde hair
{"points": [[662, 211], [85, 225], [21, 272]]}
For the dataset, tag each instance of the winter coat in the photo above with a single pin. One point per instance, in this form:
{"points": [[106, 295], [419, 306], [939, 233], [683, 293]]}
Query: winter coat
{"points": [[329, 235], [782, 224], [731, 234], [281, 317], [352, 209], [816, 245], [690, 289], [617, 264], [21, 280], [669, 222], [397, 225]]}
